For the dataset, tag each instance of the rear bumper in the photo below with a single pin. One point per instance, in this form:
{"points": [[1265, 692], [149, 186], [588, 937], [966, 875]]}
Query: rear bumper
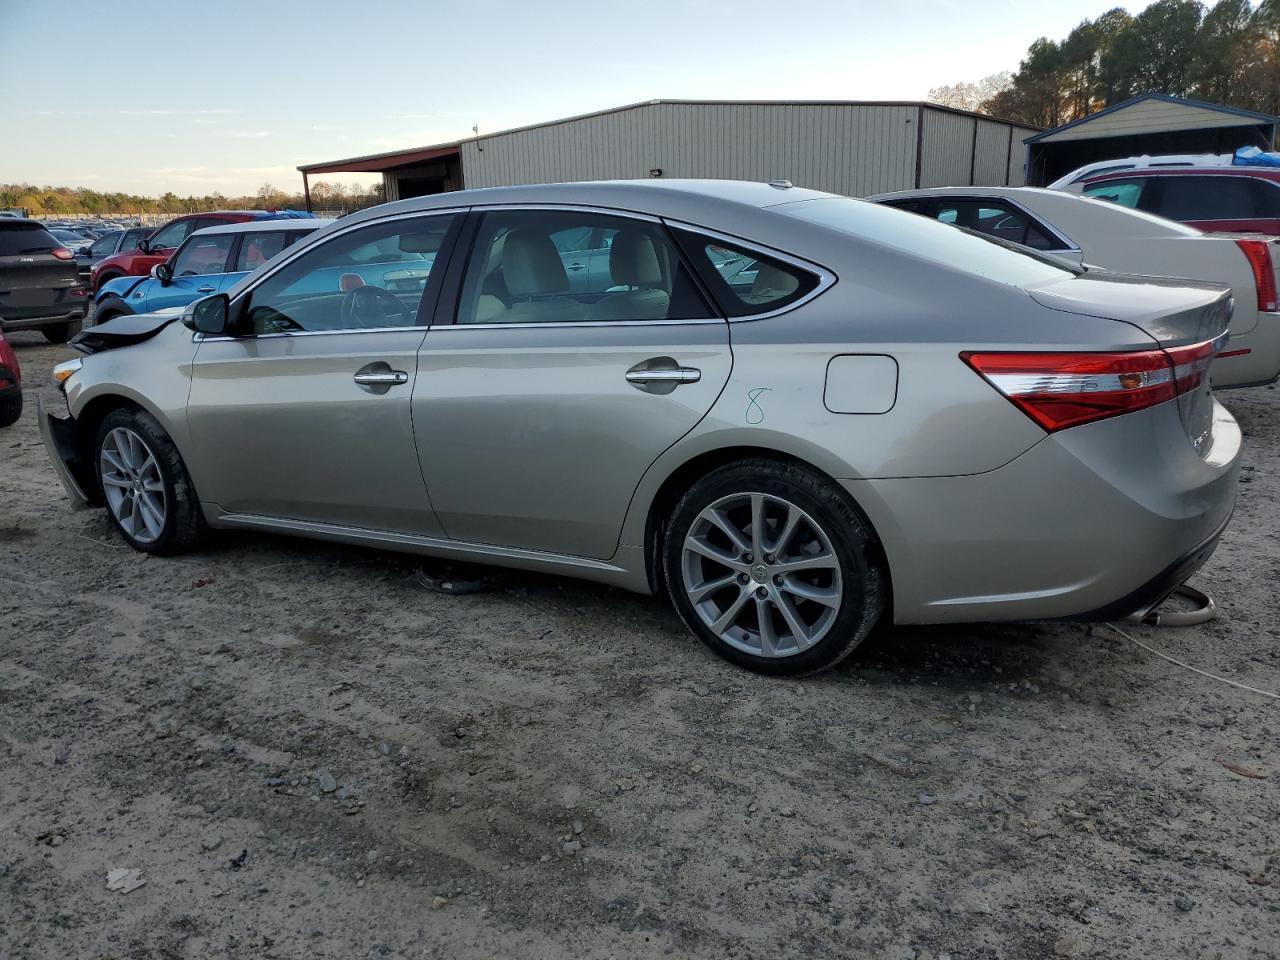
{"points": [[38, 319], [58, 434], [1087, 522]]}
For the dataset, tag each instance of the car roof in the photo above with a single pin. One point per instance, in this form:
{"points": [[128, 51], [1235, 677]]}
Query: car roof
{"points": [[252, 226], [1266, 173]]}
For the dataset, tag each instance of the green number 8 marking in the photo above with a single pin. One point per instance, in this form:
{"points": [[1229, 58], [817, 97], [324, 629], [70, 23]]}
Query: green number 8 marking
{"points": [[755, 413]]}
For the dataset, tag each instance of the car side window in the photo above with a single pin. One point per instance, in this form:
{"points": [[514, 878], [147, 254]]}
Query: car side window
{"points": [[104, 246], [257, 248], [368, 278], [1124, 193], [1207, 198], [745, 281], [171, 235], [522, 262], [999, 220], [203, 255]]}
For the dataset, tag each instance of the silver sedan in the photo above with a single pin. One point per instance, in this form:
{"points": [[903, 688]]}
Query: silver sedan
{"points": [[798, 414]]}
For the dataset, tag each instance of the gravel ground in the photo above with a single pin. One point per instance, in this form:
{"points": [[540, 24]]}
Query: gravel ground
{"points": [[307, 754]]}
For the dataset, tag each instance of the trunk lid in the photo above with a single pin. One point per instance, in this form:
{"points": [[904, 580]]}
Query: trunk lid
{"points": [[1179, 315], [35, 279]]}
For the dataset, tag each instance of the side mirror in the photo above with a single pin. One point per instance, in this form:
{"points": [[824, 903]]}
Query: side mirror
{"points": [[209, 316], [162, 272]]}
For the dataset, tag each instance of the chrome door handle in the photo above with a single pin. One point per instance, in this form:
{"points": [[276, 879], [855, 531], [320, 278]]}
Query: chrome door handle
{"points": [[665, 375], [576, 266], [387, 378], [205, 289]]}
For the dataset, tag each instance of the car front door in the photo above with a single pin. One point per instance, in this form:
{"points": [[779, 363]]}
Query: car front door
{"points": [[540, 404], [198, 267], [304, 415]]}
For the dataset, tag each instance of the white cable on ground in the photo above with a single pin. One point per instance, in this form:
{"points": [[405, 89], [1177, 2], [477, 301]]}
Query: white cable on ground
{"points": [[1203, 673]]}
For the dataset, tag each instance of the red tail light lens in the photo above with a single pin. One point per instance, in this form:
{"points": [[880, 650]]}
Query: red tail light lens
{"points": [[1258, 253], [62, 253], [1060, 390]]}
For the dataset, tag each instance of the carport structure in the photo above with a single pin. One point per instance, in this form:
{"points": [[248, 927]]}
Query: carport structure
{"points": [[406, 173], [1150, 124]]}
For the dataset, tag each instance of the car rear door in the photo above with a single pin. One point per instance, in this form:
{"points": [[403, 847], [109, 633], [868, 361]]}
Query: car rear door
{"points": [[540, 404], [305, 416]]}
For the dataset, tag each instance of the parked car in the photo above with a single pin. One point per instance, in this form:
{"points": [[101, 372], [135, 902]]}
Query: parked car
{"points": [[39, 285], [209, 260], [1073, 182], [1079, 231], [1215, 200], [107, 245], [10, 384], [162, 241], [68, 238], [894, 419]]}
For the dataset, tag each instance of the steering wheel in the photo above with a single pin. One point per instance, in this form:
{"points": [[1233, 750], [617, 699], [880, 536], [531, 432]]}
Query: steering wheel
{"points": [[370, 307]]}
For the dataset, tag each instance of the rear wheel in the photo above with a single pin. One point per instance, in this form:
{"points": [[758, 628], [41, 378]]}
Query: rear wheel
{"points": [[774, 568], [10, 408], [145, 484], [62, 332]]}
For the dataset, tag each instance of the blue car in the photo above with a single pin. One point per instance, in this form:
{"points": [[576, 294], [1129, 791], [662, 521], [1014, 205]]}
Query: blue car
{"points": [[208, 261]]}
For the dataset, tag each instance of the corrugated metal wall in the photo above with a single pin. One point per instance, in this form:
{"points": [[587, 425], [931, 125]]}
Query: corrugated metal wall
{"points": [[854, 149]]}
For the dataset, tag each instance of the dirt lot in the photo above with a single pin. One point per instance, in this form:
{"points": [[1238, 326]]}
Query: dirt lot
{"points": [[308, 754]]}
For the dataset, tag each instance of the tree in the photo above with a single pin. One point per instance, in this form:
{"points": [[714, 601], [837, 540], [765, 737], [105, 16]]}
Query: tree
{"points": [[970, 96], [1155, 53]]}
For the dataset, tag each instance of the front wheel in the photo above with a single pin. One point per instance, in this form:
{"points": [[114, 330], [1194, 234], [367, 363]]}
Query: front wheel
{"points": [[774, 568], [10, 408], [145, 484]]}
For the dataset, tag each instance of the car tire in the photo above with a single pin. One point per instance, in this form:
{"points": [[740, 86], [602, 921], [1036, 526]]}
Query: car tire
{"points": [[10, 408], [145, 484], [62, 332], [794, 600], [109, 309]]}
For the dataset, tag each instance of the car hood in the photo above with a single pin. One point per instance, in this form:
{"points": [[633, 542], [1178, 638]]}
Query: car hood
{"points": [[124, 331]]}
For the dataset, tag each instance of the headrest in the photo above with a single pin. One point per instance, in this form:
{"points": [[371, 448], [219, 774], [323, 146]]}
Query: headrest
{"points": [[774, 283], [531, 265], [633, 261]]}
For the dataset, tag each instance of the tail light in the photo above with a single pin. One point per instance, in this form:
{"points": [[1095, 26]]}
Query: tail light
{"points": [[1258, 253], [62, 253], [1060, 390]]}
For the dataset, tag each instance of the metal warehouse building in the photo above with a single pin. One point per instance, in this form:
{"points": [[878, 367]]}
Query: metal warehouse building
{"points": [[847, 147]]}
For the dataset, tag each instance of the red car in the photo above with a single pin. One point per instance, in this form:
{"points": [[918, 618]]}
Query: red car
{"points": [[157, 247], [1212, 199], [10, 384]]}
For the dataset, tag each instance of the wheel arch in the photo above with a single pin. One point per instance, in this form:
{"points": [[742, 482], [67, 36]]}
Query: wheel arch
{"points": [[682, 477], [89, 419]]}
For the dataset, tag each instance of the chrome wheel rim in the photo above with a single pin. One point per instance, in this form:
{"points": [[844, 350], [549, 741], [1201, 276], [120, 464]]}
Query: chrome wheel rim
{"points": [[132, 485], [762, 575]]}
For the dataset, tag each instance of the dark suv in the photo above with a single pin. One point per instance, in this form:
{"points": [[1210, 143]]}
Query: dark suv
{"points": [[1212, 199], [40, 286]]}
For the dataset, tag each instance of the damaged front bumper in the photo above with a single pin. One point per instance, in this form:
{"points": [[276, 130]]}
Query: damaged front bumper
{"points": [[58, 434]]}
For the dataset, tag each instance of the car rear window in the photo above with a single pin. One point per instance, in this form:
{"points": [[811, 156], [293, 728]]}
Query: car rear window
{"points": [[19, 238], [926, 238]]}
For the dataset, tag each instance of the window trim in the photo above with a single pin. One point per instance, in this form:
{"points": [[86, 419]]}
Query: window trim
{"points": [[826, 278], [446, 317], [300, 248], [231, 249]]}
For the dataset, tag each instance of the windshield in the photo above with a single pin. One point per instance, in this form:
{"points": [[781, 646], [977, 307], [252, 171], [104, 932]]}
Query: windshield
{"points": [[928, 239]]}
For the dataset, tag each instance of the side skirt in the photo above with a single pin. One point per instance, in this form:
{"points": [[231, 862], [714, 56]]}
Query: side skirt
{"points": [[625, 570]]}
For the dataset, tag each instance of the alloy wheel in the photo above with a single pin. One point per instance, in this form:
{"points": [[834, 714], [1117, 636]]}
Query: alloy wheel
{"points": [[132, 485], [761, 574]]}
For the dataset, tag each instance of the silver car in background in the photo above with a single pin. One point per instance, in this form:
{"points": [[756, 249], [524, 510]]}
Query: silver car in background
{"points": [[1081, 230], [796, 413]]}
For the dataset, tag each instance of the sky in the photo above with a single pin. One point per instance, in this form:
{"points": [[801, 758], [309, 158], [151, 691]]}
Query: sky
{"points": [[226, 95]]}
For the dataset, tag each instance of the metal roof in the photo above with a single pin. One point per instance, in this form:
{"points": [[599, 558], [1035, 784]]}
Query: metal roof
{"points": [[1193, 107], [378, 162]]}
